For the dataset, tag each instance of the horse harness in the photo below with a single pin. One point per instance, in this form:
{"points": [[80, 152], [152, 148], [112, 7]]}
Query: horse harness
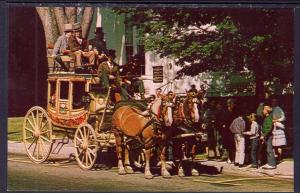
{"points": [[139, 136]]}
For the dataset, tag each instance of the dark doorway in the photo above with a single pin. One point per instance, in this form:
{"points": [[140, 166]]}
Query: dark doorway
{"points": [[27, 70]]}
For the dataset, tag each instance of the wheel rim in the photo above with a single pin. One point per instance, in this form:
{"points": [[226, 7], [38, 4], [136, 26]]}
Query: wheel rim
{"points": [[86, 146], [37, 134]]}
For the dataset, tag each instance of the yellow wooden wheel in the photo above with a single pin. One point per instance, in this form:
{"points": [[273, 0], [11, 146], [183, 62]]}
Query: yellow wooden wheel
{"points": [[37, 134], [86, 146]]}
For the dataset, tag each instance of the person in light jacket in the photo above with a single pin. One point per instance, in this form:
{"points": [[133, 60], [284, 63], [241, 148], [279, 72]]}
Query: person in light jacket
{"points": [[61, 46], [254, 139], [237, 127]]}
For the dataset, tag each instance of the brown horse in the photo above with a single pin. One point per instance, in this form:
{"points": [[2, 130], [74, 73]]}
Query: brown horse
{"points": [[130, 122], [185, 117]]}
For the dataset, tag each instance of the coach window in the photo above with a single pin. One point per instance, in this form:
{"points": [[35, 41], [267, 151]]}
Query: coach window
{"points": [[64, 90], [78, 93], [52, 98]]}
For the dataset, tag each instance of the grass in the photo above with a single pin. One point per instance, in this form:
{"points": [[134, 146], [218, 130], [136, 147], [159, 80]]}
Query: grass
{"points": [[15, 128]]}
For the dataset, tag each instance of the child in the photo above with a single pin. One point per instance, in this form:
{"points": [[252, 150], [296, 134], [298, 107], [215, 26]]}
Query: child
{"points": [[254, 138]]}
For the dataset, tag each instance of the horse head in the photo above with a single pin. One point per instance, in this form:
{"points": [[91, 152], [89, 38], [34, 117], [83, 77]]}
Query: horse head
{"points": [[192, 105], [167, 113]]}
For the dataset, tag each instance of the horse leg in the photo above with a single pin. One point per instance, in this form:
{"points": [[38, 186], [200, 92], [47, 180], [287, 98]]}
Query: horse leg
{"points": [[181, 157], [121, 169], [183, 149], [193, 154], [164, 172], [148, 174], [128, 168], [180, 169]]}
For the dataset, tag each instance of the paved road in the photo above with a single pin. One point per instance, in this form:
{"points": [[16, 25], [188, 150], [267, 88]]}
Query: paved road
{"points": [[67, 176]]}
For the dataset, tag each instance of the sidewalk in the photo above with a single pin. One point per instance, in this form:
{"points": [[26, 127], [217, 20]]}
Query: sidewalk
{"points": [[284, 169], [19, 148]]}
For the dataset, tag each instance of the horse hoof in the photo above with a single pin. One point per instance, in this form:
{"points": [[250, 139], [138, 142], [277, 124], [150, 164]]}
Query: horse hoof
{"points": [[168, 175], [149, 176], [129, 170], [122, 171], [195, 172], [181, 173]]}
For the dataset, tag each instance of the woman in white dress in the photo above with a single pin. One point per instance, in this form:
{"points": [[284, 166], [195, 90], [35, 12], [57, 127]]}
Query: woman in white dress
{"points": [[279, 138]]}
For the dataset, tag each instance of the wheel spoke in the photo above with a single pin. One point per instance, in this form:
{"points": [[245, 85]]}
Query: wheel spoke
{"points": [[31, 143], [81, 134], [43, 148], [42, 133], [37, 119], [34, 149], [28, 137], [26, 128], [84, 132], [38, 148], [34, 121], [42, 127], [28, 119], [92, 152], [80, 152], [90, 158], [44, 138], [80, 140], [86, 159]]}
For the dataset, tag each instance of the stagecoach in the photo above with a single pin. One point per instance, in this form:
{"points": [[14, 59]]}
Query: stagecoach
{"points": [[76, 107]]}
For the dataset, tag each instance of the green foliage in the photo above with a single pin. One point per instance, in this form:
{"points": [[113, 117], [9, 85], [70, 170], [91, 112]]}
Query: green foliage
{"points": [[258, 39]]}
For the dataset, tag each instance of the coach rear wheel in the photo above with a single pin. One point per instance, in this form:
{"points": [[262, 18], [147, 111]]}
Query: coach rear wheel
{"points": [[37, 134], [86, 146]]}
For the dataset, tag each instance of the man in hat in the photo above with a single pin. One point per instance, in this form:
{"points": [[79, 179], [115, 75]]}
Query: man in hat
{"points": [[131, 73], [61, 45], [109, 75], [79, 47], [99, 45]]}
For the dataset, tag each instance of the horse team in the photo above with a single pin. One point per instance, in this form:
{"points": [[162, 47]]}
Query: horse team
{"points": [[169, 123]]}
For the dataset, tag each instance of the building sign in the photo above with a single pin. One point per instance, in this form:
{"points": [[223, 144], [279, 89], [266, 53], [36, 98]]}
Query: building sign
{"points": [[158, 74]]}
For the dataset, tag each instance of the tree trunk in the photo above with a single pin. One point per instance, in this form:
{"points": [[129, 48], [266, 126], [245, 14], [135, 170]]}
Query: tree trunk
{"points": [[87, 21], [54, 18], [49, 24], [61, 18], [71, 14]]}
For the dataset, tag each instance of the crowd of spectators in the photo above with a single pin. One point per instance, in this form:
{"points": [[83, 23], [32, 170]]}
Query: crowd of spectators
{"points": [[242, 137]]}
